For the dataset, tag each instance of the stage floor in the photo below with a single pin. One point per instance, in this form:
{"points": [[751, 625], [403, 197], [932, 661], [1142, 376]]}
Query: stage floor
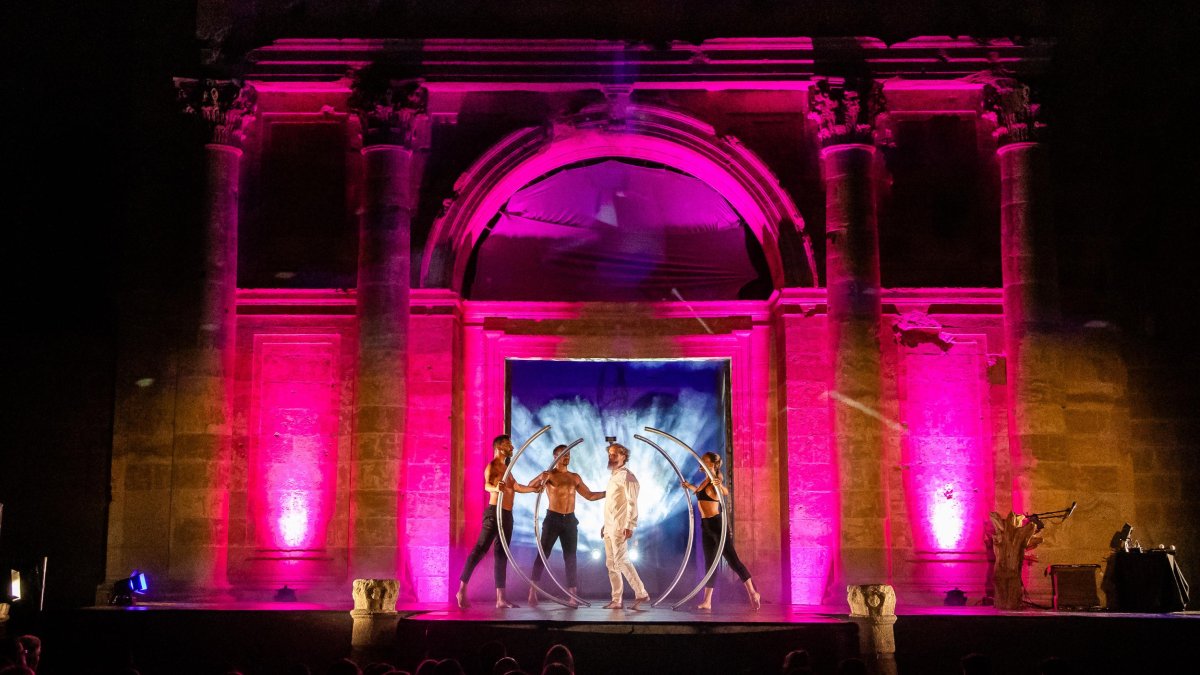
{"points": [[265, 638]]}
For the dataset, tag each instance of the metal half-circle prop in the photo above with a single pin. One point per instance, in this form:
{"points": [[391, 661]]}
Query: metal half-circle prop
{"points": [[500, 516], [537, 537], [691, 520], [724, 522]]}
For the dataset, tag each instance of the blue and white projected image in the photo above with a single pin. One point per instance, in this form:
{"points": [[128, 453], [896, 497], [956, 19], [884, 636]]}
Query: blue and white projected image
{"points": [[595, 399]]}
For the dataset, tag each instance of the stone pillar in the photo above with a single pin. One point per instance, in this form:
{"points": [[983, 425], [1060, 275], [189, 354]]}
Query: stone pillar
{"points": [[852, 283], [1037, 421], [395, 138], [204, 408], [373, 636], [873, 609], [852, 286], [1037, 426]]}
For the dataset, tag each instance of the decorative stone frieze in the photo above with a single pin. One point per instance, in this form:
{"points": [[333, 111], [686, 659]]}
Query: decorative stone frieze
{"points": [[849, 112], [391, 112], [226, 106], [1008, 103]]}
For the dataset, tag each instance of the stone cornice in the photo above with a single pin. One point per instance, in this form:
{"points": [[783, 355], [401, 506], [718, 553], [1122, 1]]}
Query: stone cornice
{"points": [[227, 107], [445, 60]]}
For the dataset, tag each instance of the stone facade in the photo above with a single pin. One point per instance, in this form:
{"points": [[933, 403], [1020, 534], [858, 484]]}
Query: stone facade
{"points": [[873, 426]]}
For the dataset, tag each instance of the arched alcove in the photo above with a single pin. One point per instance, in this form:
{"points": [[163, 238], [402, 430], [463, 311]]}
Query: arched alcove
{"points": [[616, 230]]}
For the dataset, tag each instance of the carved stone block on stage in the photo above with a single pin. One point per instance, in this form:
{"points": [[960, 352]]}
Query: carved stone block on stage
{"points": [[873, 608], [374, 614]]}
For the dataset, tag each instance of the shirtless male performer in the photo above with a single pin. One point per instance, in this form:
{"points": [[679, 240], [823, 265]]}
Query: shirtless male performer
{"points": [[497, 488], [620, 519], [561, 487]]}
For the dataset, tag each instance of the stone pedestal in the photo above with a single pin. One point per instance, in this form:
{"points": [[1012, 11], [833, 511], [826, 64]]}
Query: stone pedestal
{"points": [[383, 316], [852, 281], [873, 609], [375, 618]]}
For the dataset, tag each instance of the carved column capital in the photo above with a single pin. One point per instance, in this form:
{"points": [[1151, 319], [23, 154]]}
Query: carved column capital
{"points": [[1008, 103], [228, 107], [849, 112], [391, 112]]}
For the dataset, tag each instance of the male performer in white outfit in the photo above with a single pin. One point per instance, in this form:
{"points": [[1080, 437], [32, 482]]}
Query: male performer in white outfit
{"points": [[620, 519]]}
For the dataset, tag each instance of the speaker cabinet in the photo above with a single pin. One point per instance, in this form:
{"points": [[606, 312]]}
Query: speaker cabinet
{"points": [[1075, 587]]}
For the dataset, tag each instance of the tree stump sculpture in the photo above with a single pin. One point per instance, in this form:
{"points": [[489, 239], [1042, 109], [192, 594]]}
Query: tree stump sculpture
{"points": [[1012, 536]]}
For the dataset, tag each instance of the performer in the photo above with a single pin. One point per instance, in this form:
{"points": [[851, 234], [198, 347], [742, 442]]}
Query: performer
{"points": [[499, 489], [560, 521], [620, 519], [710, 526]]}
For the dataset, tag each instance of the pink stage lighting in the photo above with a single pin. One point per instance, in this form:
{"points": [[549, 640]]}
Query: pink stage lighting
{"points": [[946, 456], [295, 446]]}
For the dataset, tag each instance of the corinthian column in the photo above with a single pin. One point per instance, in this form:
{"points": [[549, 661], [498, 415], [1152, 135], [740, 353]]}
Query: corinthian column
{"points": [[396, 137], [846, 119], [1037, 424], [203, 414]]}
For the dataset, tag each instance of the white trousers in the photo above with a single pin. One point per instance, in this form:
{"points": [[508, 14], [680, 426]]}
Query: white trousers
{"points": [[617, 561]]}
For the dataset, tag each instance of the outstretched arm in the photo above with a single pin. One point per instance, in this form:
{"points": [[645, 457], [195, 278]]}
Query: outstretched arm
{"points": [[534, 486], [586, 493]]}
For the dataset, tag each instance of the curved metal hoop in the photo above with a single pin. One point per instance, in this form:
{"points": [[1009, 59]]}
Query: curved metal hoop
{"points": [[500, 515], [687, 555], [537, 538], [724, 521]]}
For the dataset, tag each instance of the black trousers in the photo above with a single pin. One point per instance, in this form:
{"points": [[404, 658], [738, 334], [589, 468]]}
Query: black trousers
{"points": [[559, 526], [710, 528], [487, 537]]}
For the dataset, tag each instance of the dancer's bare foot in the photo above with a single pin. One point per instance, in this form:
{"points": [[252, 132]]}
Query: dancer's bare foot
{"points": [[532, 599], [638, 602], [704, 605], [615, 604], [461, 597], [753, 594], [502, 602]]}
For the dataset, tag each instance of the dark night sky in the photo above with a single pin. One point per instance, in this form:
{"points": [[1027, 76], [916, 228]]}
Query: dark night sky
{"points": [[101, 180]]}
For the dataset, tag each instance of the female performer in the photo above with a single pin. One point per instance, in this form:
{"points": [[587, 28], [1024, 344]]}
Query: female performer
{"points": [[710, 527]]}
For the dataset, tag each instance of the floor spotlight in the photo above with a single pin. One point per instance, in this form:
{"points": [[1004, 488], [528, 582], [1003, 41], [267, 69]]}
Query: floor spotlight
{"points": [[123, 590], [285, 594], [15, 586]]}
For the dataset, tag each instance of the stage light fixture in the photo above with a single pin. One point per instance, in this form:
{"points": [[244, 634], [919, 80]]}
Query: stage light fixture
{"points": [[15, 585], [285, 594], [596, 554], [123, 590], [633, 555]]}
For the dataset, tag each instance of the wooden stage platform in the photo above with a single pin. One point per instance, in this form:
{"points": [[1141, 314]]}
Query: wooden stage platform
{"points": [[266, 638]]}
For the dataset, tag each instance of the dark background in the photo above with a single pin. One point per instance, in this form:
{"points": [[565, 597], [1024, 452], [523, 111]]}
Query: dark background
{"points": [[102, 186]]}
